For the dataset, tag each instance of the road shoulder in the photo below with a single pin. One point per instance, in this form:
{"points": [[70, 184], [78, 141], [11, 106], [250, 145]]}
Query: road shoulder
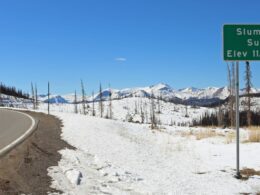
{"points": [[24, 169]]}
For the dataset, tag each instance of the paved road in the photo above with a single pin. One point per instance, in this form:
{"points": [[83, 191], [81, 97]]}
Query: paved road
{"points": [[12, 126]]}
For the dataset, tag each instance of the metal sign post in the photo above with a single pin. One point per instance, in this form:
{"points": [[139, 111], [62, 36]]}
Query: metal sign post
{"points": [[241, 42], [237, 118]]}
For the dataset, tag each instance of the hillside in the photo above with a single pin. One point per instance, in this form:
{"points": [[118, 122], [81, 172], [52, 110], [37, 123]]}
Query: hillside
{"points": [[12, 91], [114, 157]]}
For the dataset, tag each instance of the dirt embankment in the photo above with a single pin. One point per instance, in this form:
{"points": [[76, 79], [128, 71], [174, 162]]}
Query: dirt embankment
{"points": [[24, 169]]}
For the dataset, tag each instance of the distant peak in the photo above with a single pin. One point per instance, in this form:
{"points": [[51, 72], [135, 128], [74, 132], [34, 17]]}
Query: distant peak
{"points": [[190, 89], [161, 86]]}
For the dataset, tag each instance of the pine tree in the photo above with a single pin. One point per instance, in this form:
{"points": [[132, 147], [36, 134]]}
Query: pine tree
{"points": [[12, 91]]}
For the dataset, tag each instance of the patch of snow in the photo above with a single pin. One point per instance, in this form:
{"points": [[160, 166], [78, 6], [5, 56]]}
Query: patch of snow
{"points": [[117, 157]]}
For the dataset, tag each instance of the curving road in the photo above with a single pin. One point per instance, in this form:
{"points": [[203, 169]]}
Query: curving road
{"points": [[14, 128]]}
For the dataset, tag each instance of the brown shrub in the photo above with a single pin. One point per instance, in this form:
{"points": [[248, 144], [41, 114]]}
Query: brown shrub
{"points": [[253, 134], [247, 172]]}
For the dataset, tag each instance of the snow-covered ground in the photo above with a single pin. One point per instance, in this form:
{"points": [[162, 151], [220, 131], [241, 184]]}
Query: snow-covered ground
{"points": [[123, 109], [118, 157], [114, 157]]}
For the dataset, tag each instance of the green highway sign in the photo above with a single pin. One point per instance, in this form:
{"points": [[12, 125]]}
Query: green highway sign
{"points": [[241, 42]]}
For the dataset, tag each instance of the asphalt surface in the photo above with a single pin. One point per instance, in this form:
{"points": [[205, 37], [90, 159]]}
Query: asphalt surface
{"points": [[12, 126], [24, 170]]}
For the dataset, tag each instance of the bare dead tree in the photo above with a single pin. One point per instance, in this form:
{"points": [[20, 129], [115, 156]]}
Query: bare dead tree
{"points": [[248, 78], [186, 108], [110, 103], [220, 116], [75, 103], [152, 112], [48, 97], [101, 107], [231, 103], [33, 96], [1, 100], [159, 97], [230, 107], [83, 97], [136, 110], [146, 112], [171, 122], [142, 111], [36, 97], [93, 105]]}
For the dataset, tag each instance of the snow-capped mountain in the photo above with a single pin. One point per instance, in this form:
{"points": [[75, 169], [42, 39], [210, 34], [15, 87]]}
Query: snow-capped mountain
{"points": [[207, 93], [167, 92], [53, 99], [189, 95]]}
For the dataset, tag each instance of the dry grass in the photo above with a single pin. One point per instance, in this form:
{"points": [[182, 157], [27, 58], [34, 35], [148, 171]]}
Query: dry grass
{"points": [[253, 134], [205, 133], [254, 128], [200, 134], [246, 173], [230, 137], [186, 133]]}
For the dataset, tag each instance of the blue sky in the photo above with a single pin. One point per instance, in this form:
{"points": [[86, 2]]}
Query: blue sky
{"points": [[125, 43]]}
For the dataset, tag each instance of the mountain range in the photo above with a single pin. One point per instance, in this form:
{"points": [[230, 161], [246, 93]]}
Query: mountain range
{"points": [[190, 95]]}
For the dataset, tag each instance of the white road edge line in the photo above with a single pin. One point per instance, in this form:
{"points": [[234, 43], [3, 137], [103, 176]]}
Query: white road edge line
{"points": [[21, 138]]}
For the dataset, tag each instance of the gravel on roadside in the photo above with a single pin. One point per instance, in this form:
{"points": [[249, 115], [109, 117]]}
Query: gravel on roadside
{"points": [[24, 169]]}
